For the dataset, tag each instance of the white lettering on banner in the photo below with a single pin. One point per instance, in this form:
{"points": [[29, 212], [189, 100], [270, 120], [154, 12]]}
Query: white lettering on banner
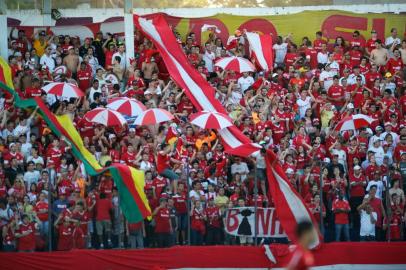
{"points": [[241, 222]]}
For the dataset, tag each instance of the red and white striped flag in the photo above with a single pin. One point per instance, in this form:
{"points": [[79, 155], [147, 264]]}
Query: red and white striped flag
{"points": [[290, 208], [261, 47]]}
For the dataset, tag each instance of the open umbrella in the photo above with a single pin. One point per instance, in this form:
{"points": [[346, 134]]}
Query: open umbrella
{"points": [[106, 117], [67, 90], [209, 120], [238, 64], [355, 121], [126, 106], [153, 116]]}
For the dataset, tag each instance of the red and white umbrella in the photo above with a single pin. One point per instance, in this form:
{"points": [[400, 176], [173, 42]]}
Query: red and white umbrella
{"points": [[213, 120], [67, 90], [238, 64], [353, 122], [106, 117], [152, 117], [126, 106]]}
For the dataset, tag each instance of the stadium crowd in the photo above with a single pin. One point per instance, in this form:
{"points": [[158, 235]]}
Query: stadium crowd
{"points": [[292, 110]]}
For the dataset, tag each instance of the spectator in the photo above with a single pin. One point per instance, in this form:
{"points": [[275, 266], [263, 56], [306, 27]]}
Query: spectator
{"points": [[368, 220], [341, 208]]}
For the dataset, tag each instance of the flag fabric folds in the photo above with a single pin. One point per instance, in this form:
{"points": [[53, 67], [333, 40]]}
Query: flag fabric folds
{"points": [[261, 47], [129, 181], [289, 206]]}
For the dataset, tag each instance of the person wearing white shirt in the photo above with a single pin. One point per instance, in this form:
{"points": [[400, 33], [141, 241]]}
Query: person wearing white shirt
{"points": [[378, 150], [322, 57], [31, 175], [240, 168], [94, 89], [245, 81], [234, 94], [388, 130], [121, 53], [379, 187], [368, 219], [392, 38], [334, 66], [304, 103], [352, 78], [208, 58], [280, 48], [326, 77], [48, 60]]}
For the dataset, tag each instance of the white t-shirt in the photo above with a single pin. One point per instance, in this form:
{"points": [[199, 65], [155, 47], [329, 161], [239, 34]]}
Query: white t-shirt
{"points": [[303, 105], [367, 228], [322, 58], [379, 188], [244, 83], [342, 156], [208, 60], [31, 177], [235, 97], [335, 67], [241, 168], [327, 78], [390, 40], [280, 52], [49, 61], [352, 79], [379, 154]]}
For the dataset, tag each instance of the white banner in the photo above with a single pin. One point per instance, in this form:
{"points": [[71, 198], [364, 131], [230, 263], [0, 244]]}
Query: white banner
{"points": [[241, 222]]}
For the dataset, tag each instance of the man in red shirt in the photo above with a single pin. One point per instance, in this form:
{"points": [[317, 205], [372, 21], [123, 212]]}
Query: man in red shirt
{"points": [[163, 164], [213, 224], [129, 156], [302, 258], [84, 77], [357, 192], [104, 207], [318, 41], [336, 93], [25, 233], [341, 208], [370, 45], [163, 224], [180, 200], [41, 209], [34, 90]]}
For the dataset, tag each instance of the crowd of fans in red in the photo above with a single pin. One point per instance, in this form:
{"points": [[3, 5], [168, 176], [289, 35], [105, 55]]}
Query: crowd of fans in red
{"points": [[292, 110]]}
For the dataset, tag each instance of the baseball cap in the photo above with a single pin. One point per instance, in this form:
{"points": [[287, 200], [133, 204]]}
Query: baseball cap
{"points": [[378, 128], [350, 106], [70, 48], [112, 136], [131, 130], [147, 93], [289, 170], [357, 167], [387, 124]]}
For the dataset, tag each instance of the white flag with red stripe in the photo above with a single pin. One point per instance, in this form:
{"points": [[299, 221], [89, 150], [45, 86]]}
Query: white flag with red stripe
{"points": [[261, 47], [290, 208]]}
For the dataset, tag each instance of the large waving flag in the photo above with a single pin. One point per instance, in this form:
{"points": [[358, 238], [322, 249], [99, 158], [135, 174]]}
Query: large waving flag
{"points": [[129, 181], [289, 206], [261, 47]]}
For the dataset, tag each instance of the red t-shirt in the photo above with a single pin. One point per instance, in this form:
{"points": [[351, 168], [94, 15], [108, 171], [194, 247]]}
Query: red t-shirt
{"points": [[213, 216], [103, 207], [42, 206], [162, 162], [317, 44], [65, 239], [341, 218], [26, 242], [357, 190], [32, 92], [84, 79], [159, 183], [336, 91], [162, 220], [180, 203]]}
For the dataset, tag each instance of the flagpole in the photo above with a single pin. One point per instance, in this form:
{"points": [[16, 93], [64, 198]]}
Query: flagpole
{"points": [[255, 206], [188, 201], [321, 198]]}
